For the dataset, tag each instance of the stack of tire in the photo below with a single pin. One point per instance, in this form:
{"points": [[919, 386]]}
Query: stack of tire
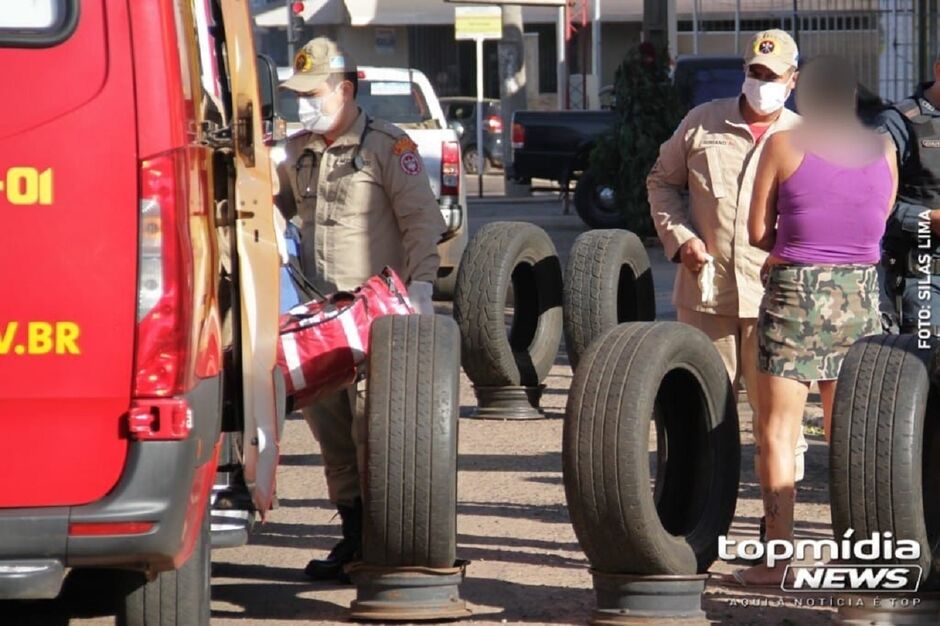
{"points": [[410, 479], [884, 464], [506, 258], [608, 281], [633, 378]]}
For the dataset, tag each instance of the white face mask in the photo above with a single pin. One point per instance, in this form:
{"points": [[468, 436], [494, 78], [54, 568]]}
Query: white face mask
{"points": [[311, 115], [764, 97]]}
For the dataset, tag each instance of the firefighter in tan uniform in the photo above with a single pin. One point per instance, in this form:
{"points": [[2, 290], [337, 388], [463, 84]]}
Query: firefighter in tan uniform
{"points": [[714, 154], [359, 188]]}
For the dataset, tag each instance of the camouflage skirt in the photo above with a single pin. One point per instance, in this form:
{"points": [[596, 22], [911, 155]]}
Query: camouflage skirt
{"points": [[811, 315]]}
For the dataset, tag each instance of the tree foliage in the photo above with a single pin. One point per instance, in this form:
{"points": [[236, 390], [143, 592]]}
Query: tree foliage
{"points": [[648, 111]]}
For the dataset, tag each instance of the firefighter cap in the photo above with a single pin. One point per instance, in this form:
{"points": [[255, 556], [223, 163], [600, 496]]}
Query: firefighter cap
{"points": [[315, 62], [774, 49]]}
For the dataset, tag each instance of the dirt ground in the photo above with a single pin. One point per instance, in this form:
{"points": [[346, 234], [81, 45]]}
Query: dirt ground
{"points": [[526, 566]]}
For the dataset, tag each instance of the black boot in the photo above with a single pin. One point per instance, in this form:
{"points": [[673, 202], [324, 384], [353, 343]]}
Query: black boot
{"points": [[347, 550]]}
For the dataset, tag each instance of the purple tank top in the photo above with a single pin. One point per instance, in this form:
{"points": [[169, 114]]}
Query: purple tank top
{"points": [[832, 214]]}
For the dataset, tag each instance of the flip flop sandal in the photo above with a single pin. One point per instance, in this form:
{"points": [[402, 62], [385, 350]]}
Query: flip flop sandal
{"points": [[737, 579]]}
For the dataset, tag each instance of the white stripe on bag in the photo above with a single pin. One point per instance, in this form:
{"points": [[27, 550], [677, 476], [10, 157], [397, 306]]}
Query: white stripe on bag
{"points": [[352, 335], [292, 356]]}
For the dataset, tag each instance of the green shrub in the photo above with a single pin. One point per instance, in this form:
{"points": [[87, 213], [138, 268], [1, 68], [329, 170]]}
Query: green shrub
{"points": [[648, 111]]}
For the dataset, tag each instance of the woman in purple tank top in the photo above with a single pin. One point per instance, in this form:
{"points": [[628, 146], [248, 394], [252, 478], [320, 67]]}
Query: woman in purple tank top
{"points": [[821, 196]]}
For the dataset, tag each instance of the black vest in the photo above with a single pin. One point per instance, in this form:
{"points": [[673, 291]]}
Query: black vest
{"points": [[920, 176]]}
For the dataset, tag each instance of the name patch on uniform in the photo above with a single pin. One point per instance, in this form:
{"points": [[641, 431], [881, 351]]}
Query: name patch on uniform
{"points": [[930, 143], [714, 142], [410, 164]]}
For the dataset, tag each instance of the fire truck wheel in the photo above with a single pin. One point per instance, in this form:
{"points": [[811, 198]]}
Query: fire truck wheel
{"points": [[410, 478], [608, 281], [175, 597], [504, 258], [635, 375], [884, 455]]}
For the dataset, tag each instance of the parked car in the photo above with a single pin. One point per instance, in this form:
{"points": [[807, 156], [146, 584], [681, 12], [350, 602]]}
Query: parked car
{"points": [[405, 98], [136, 349], [461, 114], [555, 145]]}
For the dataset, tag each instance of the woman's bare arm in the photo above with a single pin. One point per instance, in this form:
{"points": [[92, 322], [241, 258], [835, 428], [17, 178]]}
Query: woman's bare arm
{"points": [[892, 158], [762, 220]]}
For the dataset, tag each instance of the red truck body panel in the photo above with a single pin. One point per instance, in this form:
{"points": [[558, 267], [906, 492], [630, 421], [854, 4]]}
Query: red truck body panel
{"points": [[68, 251]]}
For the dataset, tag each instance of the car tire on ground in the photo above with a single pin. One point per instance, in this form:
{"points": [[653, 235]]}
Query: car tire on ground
{"points": [[635, 375], [595, 203], [410, 478], [608, 281], [470, 161], [884, 454], [503, 255], [174, 598]]}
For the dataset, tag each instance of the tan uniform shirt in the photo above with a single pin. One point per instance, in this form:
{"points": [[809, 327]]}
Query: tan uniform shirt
{"points": [[713, 154], [354, 223]]}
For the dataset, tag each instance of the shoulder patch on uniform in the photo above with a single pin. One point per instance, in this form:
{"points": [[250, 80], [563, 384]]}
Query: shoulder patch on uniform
{"points": [[404, 144], [410, 163]]}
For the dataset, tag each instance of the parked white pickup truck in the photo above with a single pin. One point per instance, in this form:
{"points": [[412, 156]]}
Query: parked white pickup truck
{"points": [[405, 98]]}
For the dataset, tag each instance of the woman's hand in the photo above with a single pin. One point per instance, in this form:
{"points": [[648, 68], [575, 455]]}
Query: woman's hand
{"points": [[765, 271], [769, 263]]}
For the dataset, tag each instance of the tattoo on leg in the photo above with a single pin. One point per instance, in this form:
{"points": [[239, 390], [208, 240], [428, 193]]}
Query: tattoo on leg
{"points": [[771, 504]]}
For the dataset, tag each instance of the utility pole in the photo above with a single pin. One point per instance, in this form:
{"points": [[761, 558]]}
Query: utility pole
{"points": [[512, 84], [295, 26], [659, 25], [796, 22], [924, 60], [596, 43], [562, 46]]}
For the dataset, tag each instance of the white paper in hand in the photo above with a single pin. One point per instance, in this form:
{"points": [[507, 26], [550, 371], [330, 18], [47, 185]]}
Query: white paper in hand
{"points": [[706, 281]]}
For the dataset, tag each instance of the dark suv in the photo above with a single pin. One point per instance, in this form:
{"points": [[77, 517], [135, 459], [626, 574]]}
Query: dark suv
{"points": [[461, 115]]}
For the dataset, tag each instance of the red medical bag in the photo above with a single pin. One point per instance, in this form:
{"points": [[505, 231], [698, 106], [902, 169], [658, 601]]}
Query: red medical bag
{"points": [[323, 344]]}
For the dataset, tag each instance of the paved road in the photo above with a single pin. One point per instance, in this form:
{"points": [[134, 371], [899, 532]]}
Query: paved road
{"points": [[513, 523]]}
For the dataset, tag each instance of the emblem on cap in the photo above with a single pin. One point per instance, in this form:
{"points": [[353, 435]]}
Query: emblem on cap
{"points": [[303, 62], [765, 46]]}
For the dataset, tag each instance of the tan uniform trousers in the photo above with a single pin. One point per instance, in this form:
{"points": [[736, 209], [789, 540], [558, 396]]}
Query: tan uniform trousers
{"points": [[337, 422], [735, 339]]}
